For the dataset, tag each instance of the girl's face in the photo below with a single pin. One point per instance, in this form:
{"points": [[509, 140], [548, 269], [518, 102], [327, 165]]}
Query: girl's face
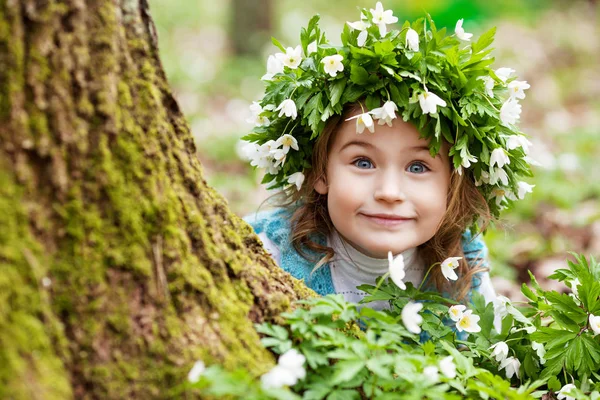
{"points": [[384, 190]]}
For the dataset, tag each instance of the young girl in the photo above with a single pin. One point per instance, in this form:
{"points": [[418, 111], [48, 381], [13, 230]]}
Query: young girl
{"points": [[420, 186]]}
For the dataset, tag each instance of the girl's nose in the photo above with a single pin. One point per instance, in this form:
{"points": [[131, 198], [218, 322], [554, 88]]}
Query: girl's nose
{"points": [[390, 189]]}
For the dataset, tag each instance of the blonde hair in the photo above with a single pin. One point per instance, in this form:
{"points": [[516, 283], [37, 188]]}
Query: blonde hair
{"points": [[311, 217]]}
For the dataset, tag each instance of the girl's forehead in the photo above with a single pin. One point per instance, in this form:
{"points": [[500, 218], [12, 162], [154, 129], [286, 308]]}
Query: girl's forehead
{"points": [[401, 134]]}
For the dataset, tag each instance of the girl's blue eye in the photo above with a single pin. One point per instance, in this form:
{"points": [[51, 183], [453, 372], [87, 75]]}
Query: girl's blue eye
{"points": [[417, 168], [363, 163]]}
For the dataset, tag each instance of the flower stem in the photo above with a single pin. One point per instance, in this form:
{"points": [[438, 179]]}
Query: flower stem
{"points": [[426, 275]]}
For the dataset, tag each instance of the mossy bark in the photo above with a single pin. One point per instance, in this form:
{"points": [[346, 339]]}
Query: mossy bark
{"points": [[119, 266]]}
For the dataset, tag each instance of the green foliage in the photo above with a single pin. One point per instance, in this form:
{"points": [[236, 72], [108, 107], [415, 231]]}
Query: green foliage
{"points": [[362, 353]]}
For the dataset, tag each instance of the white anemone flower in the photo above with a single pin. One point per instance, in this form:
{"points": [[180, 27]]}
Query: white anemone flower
{"points": [[448, 367], [363, 121], [499, 157], [382, 18], [278, 377], [498, 175], [292, 57], [574, 284], [485, 178], [255, 117], [466, 158], [312, 48], [524, 188], [488, 83], [516, 89], [196, 372], [504, 73], [540, 350], [297, 178], [431, 373], [429, 102], [362, 27], [456, 312], [501, 304], [411, 318], [412, 40], [287, 107], [510, 111], [515, 141], [333, 64], [386, 113], [500, 351], [279, 156], [287, 141], [499, 194], [562, 394], [274, 66], [448, 266], [294, 361], [460, 32], [396, 269], [595, 323], [511, 367], [469, 322]]}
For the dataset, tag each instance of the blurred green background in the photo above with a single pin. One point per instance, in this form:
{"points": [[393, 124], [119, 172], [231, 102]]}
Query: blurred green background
{"points": [[214, 53]]}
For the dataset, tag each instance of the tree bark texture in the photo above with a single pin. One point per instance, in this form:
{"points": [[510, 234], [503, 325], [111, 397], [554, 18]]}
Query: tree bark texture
{"points": [[119, 266]]}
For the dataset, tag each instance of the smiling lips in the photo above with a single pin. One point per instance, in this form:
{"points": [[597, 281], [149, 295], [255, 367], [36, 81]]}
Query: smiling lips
{"points": [[387, 219]]}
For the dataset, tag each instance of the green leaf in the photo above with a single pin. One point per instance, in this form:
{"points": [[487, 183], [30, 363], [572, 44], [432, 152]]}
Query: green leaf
{"points": [[346, 370], [358, 74], [484, 41], [276, 43], [336, 91]]}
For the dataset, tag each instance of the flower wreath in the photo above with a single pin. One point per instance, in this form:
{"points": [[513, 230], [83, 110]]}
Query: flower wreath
{"points": [[444, 87]]}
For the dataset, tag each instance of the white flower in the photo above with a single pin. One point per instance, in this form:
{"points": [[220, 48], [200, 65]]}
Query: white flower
{"points": [[381, 18], [512, 366], [562, 393], [468, 322], [277, 378], [312, 48], [595, 323], [500, 306], [256, 118], [396, 268], [467, 158], [448, 267], [499, 157], [363, 121], [362, 27], [293, 360], [510, 111], [411, 318], [500, 351], [431, 373], [274, 66], [574, 284], [447, 367], [297, 178], [287, 107], [523, 188], [460, 32], [333, 64], [196, 372], [515, 141], [279, 156], [499, 194], [292, 57], [412, 40], [288, 370], [456, 312], [287, 141], [386, 113], [489, 83], [540, 350], [498, 174], [516, 89], [429, 102], [504, 73], [262, 156], [485, 178]]}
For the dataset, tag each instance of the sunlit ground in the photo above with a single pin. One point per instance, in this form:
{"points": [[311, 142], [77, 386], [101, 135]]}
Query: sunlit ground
{"points": [[552, 45]]}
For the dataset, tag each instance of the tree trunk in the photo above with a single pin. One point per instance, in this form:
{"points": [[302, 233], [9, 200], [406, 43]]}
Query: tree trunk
{"points": [[119, 266]]}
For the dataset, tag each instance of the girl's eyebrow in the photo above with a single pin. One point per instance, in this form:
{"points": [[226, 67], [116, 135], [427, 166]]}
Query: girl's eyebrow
{"points": [[358, 143]]}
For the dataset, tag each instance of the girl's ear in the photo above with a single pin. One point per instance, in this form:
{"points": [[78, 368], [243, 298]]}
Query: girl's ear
{"points": [[321, 186]]}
